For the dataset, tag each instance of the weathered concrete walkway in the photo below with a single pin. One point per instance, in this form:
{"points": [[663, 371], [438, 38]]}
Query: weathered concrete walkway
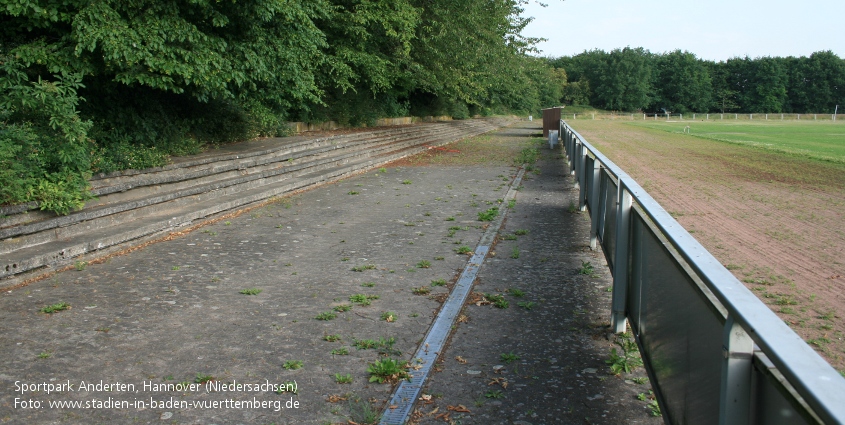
{"points": [[364, 250]]}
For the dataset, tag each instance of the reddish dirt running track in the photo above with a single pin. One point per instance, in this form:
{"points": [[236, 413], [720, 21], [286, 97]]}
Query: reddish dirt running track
{"points": [[775, 221]]}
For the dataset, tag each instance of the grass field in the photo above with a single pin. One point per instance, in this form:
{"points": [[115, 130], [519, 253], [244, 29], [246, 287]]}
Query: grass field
{"points": [[766, 199], [818, 140]]}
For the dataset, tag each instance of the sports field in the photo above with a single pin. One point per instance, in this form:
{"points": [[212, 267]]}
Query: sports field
{"points": [[767, 199], [823, 140]]}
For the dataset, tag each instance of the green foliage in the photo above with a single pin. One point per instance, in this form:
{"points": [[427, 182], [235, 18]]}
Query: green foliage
{"points": [[44, 146], [625, 360], [387, 370], [165, 78], [636, 79], [326, 315], [293, 364], [586, 268], [508, 358], [488, 215], [54, 308]]}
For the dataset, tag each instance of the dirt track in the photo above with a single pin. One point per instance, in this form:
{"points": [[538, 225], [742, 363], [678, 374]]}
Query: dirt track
{"points": [[775, 221]]}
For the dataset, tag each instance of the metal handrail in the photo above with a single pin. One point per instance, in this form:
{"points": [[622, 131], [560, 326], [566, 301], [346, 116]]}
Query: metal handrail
{"points": [[748, 318]]}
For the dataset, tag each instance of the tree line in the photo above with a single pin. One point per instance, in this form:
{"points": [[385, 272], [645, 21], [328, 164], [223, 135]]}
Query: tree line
{"points": [[634, 79], [90, 86]]}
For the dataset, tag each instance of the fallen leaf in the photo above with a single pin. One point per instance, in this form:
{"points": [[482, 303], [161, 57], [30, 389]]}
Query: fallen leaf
{"points": [[460, 360], [459, 408]]}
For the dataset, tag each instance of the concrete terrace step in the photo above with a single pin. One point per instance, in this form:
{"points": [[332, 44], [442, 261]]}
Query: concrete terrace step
{"points": [[241, 158], [137, 195], [150, 203]]}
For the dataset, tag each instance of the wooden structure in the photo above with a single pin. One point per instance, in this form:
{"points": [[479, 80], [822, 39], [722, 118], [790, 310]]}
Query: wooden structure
{"points": [[551, 119]]}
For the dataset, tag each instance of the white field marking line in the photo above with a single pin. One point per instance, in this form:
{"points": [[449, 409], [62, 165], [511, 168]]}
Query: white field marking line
{"points": [[407, 392]]}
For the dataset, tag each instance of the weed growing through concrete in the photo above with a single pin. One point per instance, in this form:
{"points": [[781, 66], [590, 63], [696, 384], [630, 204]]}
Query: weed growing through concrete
{"points": [[463, 250], [516, 292], [368, 284], [352, 192], [586, 268], [80, 265], [362, 299], [520, 232], [388, 370], [509, 237], [528, 305], [508, 358], [652, 402], [388, 316], [343, 379], [494, 394], [326, 315], [625, 360], [450, 218], [640, 380], [55, 308], [342, 308], [202, 378], [382, 170], [292, 364], [364, 267], [498, 300], [251, 291], [515, 252], [511, 203], [362, 412], [488, 215], [406, 182], [365, 344], [422, 290], [331, 338], [343, 351], [44, 355], [438, 282], [424, 264]]}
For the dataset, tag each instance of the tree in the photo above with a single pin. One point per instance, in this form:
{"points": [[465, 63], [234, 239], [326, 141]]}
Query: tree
{"points": [[683, 83], [624, 80]]}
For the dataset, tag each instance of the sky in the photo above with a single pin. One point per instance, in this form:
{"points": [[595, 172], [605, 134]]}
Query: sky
{"points": [[711, 29]]}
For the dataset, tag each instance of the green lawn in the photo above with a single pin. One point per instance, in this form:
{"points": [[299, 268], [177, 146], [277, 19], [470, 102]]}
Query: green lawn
{"points": [[818, 140]]}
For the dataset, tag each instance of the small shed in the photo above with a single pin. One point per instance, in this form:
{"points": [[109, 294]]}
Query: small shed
{"points": [[551, 119]]}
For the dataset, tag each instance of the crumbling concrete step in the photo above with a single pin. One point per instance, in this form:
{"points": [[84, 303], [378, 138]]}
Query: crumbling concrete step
{"points": [[138, 199], [63, 245]]}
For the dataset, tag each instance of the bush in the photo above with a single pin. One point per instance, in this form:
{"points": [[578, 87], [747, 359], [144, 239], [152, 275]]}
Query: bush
{"points": [[46, 152]]}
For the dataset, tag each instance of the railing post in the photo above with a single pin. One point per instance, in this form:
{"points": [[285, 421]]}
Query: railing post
{"points": [[595, 203], [620, 258], [582, 177], [735, 397]]}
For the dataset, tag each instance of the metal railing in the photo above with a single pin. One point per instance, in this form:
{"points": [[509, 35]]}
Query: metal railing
{"points": [[714, 352]]}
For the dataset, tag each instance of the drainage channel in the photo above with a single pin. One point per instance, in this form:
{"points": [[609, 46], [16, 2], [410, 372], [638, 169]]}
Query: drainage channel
{"points": [[408, 391]]}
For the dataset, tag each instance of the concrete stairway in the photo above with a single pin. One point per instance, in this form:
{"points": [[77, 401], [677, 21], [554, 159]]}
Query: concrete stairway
{"points": [[134, 206]]}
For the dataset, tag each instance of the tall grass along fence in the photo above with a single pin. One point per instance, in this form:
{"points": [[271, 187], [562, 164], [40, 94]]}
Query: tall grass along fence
{"points": [[714, 352], [694, 116]]}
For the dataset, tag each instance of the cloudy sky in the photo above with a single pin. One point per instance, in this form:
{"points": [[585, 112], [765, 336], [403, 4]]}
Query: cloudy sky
{"points": [[712, 29]]}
